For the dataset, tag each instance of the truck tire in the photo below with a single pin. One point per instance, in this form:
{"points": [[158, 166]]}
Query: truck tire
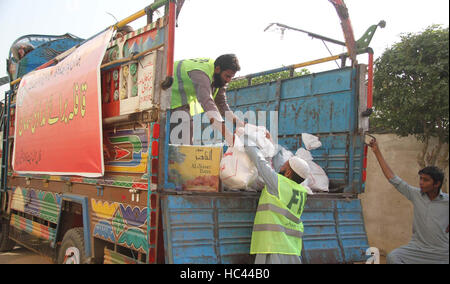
{"points": [[72, 250], [6, 244]]}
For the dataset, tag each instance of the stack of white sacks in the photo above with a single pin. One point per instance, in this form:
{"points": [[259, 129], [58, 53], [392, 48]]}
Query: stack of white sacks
{"points": [[318, 180], [238, 172]]}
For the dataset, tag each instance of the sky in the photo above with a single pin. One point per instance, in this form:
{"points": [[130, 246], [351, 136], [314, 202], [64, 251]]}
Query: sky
{"points": [[209, 28]]}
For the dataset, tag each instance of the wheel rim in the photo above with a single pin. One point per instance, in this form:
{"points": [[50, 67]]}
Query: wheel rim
{"points": [[72, 256]]}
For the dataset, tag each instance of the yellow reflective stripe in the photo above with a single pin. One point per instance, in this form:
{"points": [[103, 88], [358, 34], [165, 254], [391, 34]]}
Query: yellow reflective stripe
{"points": [[215, 93], [277, 228], [181, 89], [281, 211]]}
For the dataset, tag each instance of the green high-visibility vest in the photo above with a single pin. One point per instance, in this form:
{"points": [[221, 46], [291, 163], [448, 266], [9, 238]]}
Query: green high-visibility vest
{"points": [[183, 90], [278, 228]]}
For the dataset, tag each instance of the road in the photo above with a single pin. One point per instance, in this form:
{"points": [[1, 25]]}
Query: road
{"points": [[21, 255]]}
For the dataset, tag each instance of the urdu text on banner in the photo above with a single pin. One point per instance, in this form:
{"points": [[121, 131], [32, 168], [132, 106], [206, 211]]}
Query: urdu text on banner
{"points": [[58, 119]]}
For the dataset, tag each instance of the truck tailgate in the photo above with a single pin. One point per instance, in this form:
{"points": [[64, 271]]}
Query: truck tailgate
{"points": [[217, 228]]}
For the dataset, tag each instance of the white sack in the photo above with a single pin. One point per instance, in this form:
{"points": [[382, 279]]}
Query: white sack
{"points": [[237, 171], [305, 184], [304, 154], [318, 181], [311, 142], [257, 137]]}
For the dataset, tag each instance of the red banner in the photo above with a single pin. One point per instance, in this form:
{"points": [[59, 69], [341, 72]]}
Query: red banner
{"points": [[58, 127]]}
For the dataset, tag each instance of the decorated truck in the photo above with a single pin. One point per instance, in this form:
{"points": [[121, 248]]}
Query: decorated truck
{"points": [[90, 175]]}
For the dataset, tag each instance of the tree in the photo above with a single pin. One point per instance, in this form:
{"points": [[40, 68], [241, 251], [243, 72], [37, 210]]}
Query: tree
{"points": [[411, 94], [241, 83]]}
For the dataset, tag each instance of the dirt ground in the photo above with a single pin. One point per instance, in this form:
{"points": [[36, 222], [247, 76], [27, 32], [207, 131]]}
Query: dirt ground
{"points": [[21, 255]]}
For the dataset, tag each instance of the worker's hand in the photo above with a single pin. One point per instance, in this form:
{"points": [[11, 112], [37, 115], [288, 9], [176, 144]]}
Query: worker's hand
{"points": [[374, 145], [268, 136], [239, 123]]}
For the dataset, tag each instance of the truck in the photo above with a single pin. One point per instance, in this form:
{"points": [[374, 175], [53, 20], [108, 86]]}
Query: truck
{"points": [[86, 168]]}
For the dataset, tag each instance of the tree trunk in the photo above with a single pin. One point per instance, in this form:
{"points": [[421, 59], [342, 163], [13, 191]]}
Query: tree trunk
{"points": [[421, 156], [442, 163], [436, 156]]}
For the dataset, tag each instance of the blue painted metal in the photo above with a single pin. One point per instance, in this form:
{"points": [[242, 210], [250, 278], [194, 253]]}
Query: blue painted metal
{"points": [[205, 229], [323, 104], [208, 229], [84, 201], [167, 183], [45, 49], [45, 53], [216, 228], [334, 231]]}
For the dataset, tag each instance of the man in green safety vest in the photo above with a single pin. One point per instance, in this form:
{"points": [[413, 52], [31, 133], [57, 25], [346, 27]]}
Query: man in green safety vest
{"points": [[199, 86], [278, 229]]}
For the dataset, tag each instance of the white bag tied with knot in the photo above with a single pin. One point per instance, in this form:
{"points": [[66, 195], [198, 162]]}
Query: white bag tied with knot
{"points": [[256, 136], [318, 180], [237, 171], [311, 142]]}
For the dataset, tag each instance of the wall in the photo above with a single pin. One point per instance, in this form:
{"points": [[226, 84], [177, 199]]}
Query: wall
{"points": [[388, 215]]}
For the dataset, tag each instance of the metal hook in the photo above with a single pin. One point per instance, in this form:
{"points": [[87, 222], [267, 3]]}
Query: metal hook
{"points": [[371, 136]]}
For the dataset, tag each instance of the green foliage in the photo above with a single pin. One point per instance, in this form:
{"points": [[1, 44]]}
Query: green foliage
{"points": [[241, 83], [411, 95]]}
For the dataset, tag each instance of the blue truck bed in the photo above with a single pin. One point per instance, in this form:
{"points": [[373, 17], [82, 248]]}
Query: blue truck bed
{"points": [[216, 228]]}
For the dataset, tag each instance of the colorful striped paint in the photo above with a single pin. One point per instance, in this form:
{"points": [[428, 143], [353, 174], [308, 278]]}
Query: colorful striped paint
{"points": [[45, 205], [120, 223], [38, 230]]}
